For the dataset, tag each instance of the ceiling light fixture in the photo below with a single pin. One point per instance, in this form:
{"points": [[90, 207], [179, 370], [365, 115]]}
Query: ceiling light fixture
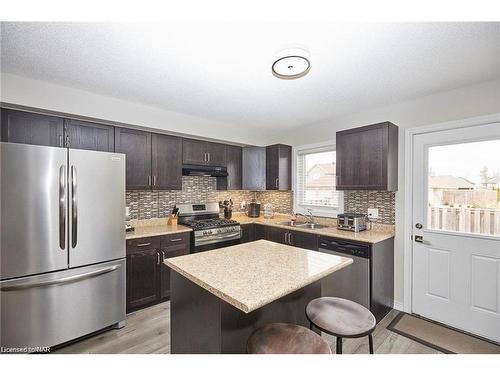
{"points": [[291, 64]]}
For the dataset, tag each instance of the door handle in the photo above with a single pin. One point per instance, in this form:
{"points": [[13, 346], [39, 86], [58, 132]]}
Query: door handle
{"points": [[290, 238], [420, 239], [74, 208], [208, 154], [276, 183], [149, 180], [158, 258], [175, 239], [143, 244], [154, 180], [62, 207]]}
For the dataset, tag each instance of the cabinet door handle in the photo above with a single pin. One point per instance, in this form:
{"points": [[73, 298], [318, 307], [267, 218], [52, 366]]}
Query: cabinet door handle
{"points": [[208, 156], [175, 239], [154, 180], [276, 183], [60, 141], [290, 238], [149, 180], [143, 244], [158, 258], [164, 255]]}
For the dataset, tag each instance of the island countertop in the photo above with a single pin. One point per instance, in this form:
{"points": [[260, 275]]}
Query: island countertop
{"points": [[251, 275]]}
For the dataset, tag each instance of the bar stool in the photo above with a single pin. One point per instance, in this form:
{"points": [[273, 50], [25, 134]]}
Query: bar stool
{"points": [[341, 318], [282, 338]]}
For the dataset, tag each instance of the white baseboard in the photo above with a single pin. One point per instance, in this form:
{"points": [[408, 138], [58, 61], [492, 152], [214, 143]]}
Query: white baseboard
{"points": [[399, 305]]}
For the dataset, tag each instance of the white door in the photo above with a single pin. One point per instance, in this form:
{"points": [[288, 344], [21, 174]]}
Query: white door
{"points": [[456, 228]]}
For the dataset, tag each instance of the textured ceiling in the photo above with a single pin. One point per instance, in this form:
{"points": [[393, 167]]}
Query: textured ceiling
{"points": [[222, 71]]}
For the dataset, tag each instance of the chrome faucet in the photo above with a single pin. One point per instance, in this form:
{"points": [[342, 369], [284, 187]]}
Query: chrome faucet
{"points": [[310, 216]]}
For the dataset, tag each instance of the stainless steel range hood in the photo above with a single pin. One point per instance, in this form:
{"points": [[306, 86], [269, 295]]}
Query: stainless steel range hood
{"points": [[204, 170]]}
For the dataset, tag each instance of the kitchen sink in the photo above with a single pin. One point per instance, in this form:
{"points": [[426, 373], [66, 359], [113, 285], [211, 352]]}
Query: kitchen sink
{"points": [[303, 225], [312, 226], [291, 224]]}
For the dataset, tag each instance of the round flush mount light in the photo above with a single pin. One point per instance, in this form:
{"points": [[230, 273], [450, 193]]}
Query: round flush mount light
{"points": [[291, 64]]}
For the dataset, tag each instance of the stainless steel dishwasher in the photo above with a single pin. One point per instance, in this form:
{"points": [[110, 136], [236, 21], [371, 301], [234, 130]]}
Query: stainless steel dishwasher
{"points": [[351, 282]]}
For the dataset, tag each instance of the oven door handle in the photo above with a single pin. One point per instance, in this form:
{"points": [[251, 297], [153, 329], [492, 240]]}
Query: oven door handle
{"points": [[232, 235]]}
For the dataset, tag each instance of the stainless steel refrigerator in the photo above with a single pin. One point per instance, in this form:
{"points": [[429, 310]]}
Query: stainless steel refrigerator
{"points": [[62, 253]]}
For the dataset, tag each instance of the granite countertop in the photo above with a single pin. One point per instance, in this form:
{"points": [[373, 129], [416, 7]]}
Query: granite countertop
{"points": [[154, 227], [382, 232], [251, 275]]}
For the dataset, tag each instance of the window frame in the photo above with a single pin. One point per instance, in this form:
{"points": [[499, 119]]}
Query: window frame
{"points": [[316, 210]]}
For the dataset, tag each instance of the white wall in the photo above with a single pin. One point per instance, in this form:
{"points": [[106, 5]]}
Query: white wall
{"points": [[470, 101], [29, 92]]}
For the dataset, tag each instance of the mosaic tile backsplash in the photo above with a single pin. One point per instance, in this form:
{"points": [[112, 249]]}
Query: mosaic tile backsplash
{"points": [[159, 204], [358, 202], [152, 204]]}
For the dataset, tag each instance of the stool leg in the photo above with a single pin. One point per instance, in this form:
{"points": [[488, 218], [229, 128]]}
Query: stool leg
{"points": [[370, 343], [339, 345]]}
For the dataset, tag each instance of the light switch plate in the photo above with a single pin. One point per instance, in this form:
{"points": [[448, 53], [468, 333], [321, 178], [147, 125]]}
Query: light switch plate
{"points": [[373, 213]]}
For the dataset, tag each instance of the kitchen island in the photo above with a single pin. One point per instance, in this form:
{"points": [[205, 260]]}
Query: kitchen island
{"points": [[219, 297]]}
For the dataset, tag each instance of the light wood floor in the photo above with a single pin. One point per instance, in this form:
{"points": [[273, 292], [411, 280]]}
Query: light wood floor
{"points": [[148, 331]]}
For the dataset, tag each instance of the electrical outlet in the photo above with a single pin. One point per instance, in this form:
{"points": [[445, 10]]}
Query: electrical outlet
{"points": [[373, 213]]}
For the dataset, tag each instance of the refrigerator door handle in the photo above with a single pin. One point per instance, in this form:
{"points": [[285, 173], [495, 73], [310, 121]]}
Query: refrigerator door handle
{"points": [[62, 207], [63, 280], [74, 208]]}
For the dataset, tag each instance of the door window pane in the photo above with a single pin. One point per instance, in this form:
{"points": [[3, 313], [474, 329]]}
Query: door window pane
{"points": [[464, 188]]}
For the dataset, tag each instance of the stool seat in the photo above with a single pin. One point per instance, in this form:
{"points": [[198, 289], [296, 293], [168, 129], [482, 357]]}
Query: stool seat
{"points": [[340, 317], [282, 338]]}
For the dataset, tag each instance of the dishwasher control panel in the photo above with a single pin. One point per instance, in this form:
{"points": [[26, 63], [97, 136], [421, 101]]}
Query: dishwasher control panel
{"points": [[345, 247]]}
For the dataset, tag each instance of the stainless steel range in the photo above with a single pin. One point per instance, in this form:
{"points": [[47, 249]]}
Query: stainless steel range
{"points": [[209, 231]]}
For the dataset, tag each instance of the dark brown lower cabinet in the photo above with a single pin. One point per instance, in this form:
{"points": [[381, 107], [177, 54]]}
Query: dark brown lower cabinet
{"points": [[275, 234], [292, 237], [254, 232], [304, 240], [142, 277], [148, 279]]}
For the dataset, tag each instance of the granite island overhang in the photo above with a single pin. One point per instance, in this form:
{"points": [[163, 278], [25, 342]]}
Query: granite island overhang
{"points": [[219, 297]]}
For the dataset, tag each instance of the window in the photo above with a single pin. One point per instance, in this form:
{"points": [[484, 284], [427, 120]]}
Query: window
{"points": [[315, 181], [464, 188]]}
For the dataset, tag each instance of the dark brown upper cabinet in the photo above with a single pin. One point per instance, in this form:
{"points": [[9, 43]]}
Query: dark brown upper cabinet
{"points": [[166, 159], [367, 158], [254, 168], [32, 128], [203, 153], [216, 154], [136, 145], [278, 167], [234, 159], [89, 136]]}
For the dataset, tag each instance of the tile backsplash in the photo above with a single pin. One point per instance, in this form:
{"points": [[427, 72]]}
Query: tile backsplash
{"points": [[358, 202], [153, 204], [159, 204]]}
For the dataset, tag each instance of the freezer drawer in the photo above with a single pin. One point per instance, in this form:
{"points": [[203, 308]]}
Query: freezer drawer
{"points": [[53, 308]]}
